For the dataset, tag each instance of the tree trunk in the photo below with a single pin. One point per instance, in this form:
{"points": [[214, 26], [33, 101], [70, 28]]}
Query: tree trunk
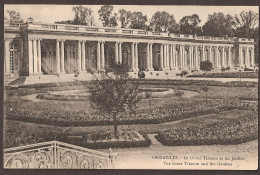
{"points": [[115, 125]]}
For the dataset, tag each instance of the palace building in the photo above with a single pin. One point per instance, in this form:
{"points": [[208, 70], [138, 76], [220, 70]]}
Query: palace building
{"points": [[37, 52]]}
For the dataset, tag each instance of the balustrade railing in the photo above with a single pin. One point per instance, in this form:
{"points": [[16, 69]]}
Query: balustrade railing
{"points": [[56, 155], [91, 29]]}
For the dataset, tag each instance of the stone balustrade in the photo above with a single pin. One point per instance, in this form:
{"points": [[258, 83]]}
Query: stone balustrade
{"points": [[120, 31]]}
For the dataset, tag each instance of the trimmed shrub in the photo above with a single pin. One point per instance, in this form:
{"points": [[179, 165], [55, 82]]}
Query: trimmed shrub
{"points": [[105, 145]]}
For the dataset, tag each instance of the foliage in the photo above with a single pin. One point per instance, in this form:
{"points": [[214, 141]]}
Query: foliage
{"points": [[189, 25], [141, 74], [82, 16], [125, 18], [105, 15], [138, 21], [14, 17], [206, 66], [219, 25], [163, 21], [246, 24], [114, 94]]}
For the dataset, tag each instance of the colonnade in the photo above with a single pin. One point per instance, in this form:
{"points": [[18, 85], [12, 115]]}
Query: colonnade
{"points": [[175, 56], [34, 55]]}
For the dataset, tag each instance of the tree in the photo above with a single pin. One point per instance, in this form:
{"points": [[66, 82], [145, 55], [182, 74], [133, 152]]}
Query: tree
{"points": [[115, 94], [163, 21], [82, 16], [105, 15], [218, 25], [246, 23], [125, 18], [189, 25], [206, 66], [14, 17], [138, 21]]}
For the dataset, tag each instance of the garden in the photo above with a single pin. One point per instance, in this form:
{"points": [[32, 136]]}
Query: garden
{"points": [[37, 119]]}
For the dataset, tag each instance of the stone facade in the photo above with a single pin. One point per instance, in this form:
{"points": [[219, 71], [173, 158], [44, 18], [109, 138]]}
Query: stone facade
{"points": [[56, 49]]}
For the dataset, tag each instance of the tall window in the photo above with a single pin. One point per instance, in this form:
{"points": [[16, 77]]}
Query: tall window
{"points": [[12, 53]]}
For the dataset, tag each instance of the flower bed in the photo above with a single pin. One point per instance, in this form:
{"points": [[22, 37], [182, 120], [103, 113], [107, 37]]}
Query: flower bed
{"points": [[230, 132], [228, 75], [105, 140], [196, 82], [47, 114]]}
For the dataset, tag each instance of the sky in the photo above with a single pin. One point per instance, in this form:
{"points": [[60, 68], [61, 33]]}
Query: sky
{"points": [[52, 13]]}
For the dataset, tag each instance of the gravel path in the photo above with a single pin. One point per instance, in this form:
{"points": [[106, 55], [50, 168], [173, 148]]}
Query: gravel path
{"points": [[144, 158]]}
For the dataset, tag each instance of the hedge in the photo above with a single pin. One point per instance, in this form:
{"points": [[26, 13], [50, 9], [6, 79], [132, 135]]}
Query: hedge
{"points": [[228, 75], [105, 145], [227, 132], [193, 142], [146, 81]]}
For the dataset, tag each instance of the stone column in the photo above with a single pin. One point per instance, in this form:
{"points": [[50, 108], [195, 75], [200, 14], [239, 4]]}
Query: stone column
{"points": [[79, 56], [151, 56], [136, 56], [116, 53], [161, 57], [210, 57], [62, 56], [102, 55], [39, 56], [167, 57], [170, 57], [30, 56], [190, 56], [148, 57], [120, 52], [229, 57], [247, 57], [83, 56], [196, 57], [98, 55], [252, 57], [35, 58], [203, 53], [175, 58], [181, 56], [7, 55], [133, 56], [57, 56], [223, 56]]}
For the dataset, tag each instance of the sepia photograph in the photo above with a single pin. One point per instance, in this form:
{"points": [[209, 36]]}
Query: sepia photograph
{"points": [[167, 87]]}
